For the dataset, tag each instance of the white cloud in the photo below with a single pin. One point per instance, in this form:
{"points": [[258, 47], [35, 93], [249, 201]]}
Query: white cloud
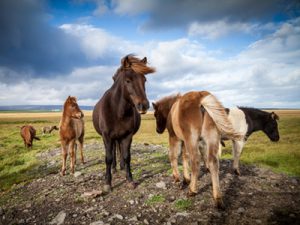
{"points": [[266, 74]]}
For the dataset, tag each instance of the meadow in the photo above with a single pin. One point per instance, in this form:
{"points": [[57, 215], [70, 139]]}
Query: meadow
{"points": [[18, 164]]}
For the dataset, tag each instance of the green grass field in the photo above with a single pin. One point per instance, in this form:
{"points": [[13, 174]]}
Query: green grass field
{"points": [[18, 164]]}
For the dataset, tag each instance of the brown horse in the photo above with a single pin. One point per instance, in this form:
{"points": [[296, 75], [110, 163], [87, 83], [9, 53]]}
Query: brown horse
{"points": [[71, 130], [28, 134], [194, 120], [116, 115]]}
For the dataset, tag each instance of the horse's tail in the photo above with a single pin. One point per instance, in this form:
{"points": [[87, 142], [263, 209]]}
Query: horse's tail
{"points": [[218, 114]]}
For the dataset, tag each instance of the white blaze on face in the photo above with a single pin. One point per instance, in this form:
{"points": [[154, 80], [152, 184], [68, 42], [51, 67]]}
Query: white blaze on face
{"points": [[238, 120]]}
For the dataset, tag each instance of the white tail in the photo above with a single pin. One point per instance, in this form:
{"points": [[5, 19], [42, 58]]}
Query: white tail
{"points": [[217, 112]]}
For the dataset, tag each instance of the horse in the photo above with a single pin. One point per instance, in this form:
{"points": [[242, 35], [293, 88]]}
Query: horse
{"points": [[249, 120], [116, 116], [48, 129], [194, 120], [71, 129], [28, 133]]}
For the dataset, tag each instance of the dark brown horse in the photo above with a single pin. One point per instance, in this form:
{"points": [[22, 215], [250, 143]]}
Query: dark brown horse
{"points": [[116, 115], [28, 133], [194, 120], [71, 130]]}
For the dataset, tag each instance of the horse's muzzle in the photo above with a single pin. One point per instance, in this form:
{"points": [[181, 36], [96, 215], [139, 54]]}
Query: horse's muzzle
{"points": [[143, 107], [79, 115]]}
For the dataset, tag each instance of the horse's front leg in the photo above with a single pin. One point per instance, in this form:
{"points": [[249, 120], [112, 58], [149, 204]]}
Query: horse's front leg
{"points": [[64, 153], [108, 143], [237, 147], [125, 151], [81, 149], [72, 155]]}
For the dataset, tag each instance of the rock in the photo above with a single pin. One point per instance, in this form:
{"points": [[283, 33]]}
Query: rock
{"points": [[117, 216], [106, 188], [258, 221], [77, 174], [93, 194], [146, 222], [294, 181], [161, 185], [131, 202], [59, 219], [28, 205], [183, 214], [99, 222], [241, 210], [133, 219]]}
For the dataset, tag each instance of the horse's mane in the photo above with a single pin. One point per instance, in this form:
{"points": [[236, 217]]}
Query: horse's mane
{"points": [[137, 65], [70, 99], [166, 103]]}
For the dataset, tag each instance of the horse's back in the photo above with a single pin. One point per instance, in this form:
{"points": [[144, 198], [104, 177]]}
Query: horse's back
{"points": [[238, 119]]}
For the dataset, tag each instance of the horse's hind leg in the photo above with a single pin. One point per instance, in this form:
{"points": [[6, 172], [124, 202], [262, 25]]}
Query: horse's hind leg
{"points": [[81, 150], [64, 152], [237, 147], [192, 149], [175, 145]]}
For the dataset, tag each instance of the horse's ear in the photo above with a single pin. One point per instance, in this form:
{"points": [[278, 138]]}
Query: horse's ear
{"points": [[154, 106], [144, 60], [125, 62], [274, 116]]}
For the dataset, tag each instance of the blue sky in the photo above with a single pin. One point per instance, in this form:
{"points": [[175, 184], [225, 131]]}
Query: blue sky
{"points": [[245, 52]]}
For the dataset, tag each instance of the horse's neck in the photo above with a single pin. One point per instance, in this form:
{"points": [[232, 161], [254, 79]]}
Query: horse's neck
{"points": [[123, 106], [255, 122], [66, 120]]}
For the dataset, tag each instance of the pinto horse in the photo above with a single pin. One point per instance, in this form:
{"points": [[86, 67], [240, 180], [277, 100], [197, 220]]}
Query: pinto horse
{"points": [[194, 120], [71, 130], [28, 133], [249, 120], [116, 115]]}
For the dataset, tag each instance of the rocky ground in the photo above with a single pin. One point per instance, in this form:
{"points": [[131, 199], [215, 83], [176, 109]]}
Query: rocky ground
{"points": [[258, 196]]}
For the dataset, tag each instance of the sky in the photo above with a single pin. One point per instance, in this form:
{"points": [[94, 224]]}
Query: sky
{"points": [[245, 52]]}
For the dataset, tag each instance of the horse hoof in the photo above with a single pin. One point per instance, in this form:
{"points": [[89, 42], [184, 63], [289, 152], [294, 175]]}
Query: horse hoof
{"points": [[82, 162], [132, 185], [107, 188], [114, 170], [237, 172], [62, 173], [191, 193], [220, 204], [176, 179]]}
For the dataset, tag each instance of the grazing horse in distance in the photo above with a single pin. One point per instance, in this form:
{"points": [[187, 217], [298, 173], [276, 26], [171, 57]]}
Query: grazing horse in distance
{"points": [[116, 116], [28, 133], [246, 121], [194, 120], [71, 130], [49, 129]]}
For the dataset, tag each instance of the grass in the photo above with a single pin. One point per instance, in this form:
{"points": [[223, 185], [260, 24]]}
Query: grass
{"points": [[18, 164], [155, 199], [183, 204]]}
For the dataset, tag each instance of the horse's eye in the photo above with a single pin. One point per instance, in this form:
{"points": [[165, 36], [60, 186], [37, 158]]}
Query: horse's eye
{"points": [[127, 81]]}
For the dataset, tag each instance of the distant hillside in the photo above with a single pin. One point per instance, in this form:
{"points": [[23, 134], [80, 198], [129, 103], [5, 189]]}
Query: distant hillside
{"points": [[54, 108]]}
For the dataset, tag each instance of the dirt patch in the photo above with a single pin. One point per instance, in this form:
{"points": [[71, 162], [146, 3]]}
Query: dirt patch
{"points": [[258, 196]]}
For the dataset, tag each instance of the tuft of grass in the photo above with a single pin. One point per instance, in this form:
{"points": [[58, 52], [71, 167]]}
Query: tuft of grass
{"points": [[183, 204], [155, 199]]}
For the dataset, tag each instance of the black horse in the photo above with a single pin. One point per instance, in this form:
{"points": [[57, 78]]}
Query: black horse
{"points": [[246, 121], [116, 116]]}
